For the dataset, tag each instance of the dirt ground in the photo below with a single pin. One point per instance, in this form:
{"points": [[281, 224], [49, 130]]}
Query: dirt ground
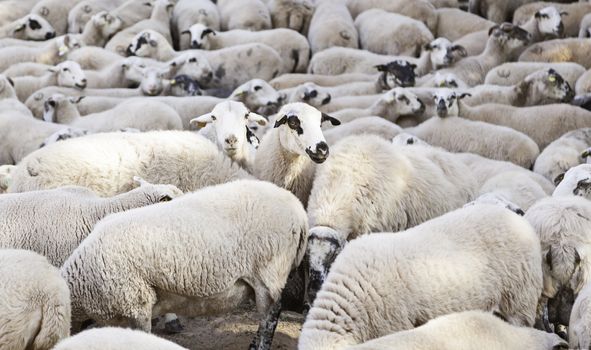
{"points": [[233, 331]]}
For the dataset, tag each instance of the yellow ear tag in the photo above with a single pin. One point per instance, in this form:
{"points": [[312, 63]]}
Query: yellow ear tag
{"points": [[172, 82], [63, 50], [201, 125], [552, 78]]}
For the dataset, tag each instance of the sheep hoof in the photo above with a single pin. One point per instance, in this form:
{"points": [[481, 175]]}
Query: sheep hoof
{"points": [[173, 327]]}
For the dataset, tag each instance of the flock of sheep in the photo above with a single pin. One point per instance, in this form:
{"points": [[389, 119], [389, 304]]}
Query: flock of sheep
{"points": [[188, 157]]}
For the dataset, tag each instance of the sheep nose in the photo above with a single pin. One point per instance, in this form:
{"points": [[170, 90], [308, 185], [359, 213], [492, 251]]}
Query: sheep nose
{"points": [[84, 81], [322, 148], [195, 45], [50, 35], [231, 140]]}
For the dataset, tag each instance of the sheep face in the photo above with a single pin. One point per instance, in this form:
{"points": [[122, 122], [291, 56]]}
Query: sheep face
{"points": [[550, 85], [56, 107], [446, 103], [107, 24], [443, 53], [576, 181], [69, 74], [63, 134], [300, 132], [257, 93], [143, 44], [67, 43], [311, 94], [195, 65], [510, 37], [397, 73], [230, 121], [400, 102], [324, 244], [33, 27], [497, 199], [549, 22], [184, 85], [151, 83], [200, 36]]}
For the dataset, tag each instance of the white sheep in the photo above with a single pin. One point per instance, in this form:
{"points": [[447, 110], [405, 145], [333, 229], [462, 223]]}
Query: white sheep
{"points": [[579, 334], [559, 50], [498, 199], [573, 14], [180, 158], [286, 81], [115, 338], [8, 100], [55, 12], [99, 29], [133, 11], [583, 85], [138, 114], [363, 126], [391, 105], [288, 154], [511, 73], [575, 182], [421, 10], [564, 153], [28, 220], [53, 52], [30, 27], [35, 309], [466, 330], [313, 94], [229, 130], [245, 14], [290, 45], [91, 57], [11, 10], [488, 140], [81, 13], [332, 26], [496, 10], [482, 257], [403, 36], [159, 21], [106, 284], [189, 12], [454, 24], [516, 187], [67, 74], [292, 14], [232, 65], [388, 188]]}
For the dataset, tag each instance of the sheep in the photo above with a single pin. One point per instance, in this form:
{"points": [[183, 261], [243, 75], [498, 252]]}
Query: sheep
{"points": [[26, 68], [94, 58], [250, 270], [21, 135], [496, 10], [404, 36], [52, 53], [80, 14], [579, 335], [189, 12], [448, 24], [494, 198], [67, 73], [30, 27], [485, 169], [69, 133], [12, 10], [189, 162], [362, 126], [332, 26], [79, 210], [497, 266], [573, 13], [256, 60], [133, 11], [544, 24], [290, 45], [391, 105], [543, 124], [8, 100], [575, 181], [229, 130], [420, 10], [456, 134], [389, 188], [115, 338], [564, 153], [502, 42], [55, 12], [292, 14], [131, 114], [36, 309], [562, 224], [559, 50], [246, 14], [512, 73], [538, 88], [288, 154], [159, 22], [129, 12], [310, 93], [99, 29], [286, 81], [516, 187], [466, 330]]}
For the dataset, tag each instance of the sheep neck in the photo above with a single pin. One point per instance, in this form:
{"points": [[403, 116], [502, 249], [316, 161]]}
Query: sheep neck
{"points": [[531, 27], [466, 111], [167, 52], [424, 64], [91, 35], [160, 12], [67, 114], [493, 55]]}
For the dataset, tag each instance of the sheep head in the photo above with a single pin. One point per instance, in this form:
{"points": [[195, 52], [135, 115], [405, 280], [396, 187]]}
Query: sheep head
{"points": [[69, 74], [549, 22], [397, 73]]}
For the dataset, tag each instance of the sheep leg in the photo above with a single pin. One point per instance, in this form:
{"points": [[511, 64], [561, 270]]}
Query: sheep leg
{"points": [[266, 331]]}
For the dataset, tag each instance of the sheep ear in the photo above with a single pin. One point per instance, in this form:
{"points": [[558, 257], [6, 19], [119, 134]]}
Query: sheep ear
{"points": [[492, 29], [10, 81], [413, 66], [206, 32], [563, 13], [464, 94], [586, 153], [186, 32], [281, 121], [53, 69], [537, 14], [558, 179], [328, 118], [461, 50], [381, 67], [75, 99], [20, 27], [259, 119], [427, 47], [201, 121], [140, 181]]}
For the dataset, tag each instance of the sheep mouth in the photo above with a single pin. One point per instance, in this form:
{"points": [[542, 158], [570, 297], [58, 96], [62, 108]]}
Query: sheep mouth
{"points": [[80, 86], [231, 150], [317, 158]]}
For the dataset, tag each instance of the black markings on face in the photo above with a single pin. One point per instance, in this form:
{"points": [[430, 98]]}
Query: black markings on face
{"points": [[294, 123], [220, 72], [583, 188], [404, 99], [34, 24], [252, 138]]}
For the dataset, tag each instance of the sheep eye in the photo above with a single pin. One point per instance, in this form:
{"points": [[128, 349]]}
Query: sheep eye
{"points": [[313, 93], [257, 88], [165, 198], [246, 115], [192, 60], [66, 69], [142, 66], [212, 117]]}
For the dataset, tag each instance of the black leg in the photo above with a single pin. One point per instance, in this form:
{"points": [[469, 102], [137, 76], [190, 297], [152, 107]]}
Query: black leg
{"points": [[266, 331]]}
